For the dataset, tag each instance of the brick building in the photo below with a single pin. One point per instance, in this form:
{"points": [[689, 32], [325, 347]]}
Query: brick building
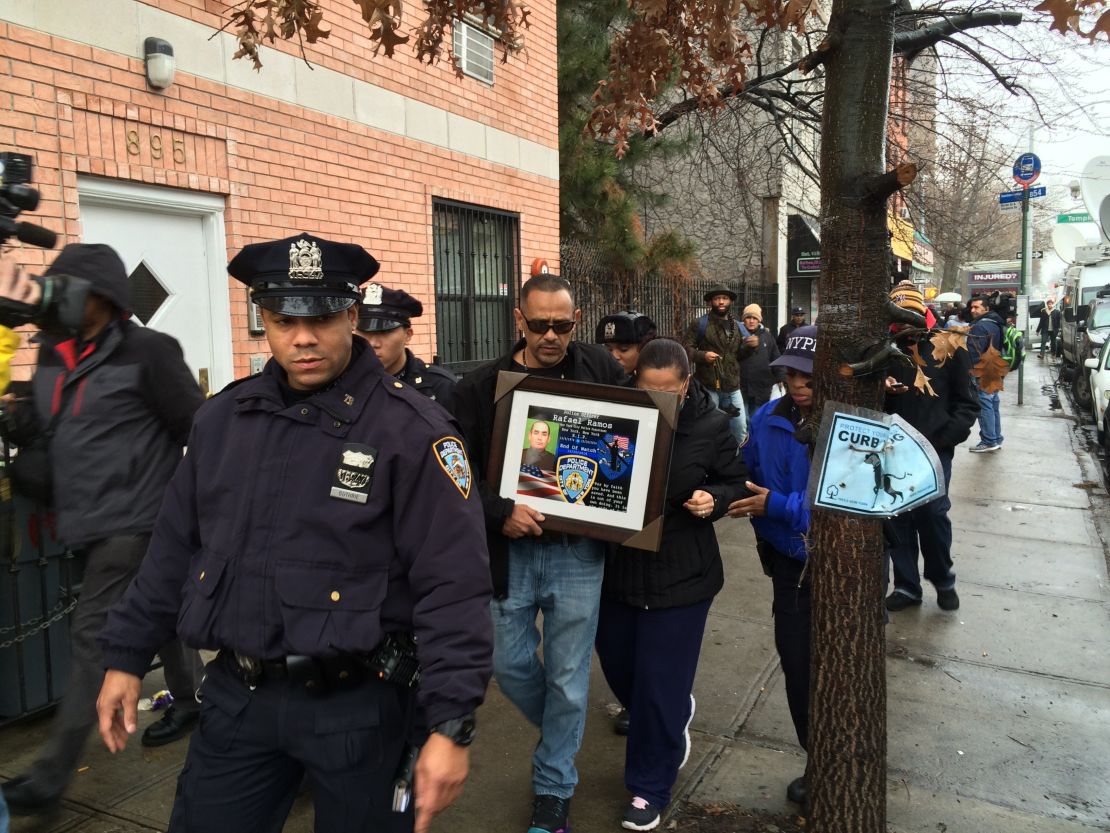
{"points": [[452, 184]]}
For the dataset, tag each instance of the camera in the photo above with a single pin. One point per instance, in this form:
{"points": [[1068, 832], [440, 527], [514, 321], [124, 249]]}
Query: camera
{"points": [[16, 195], [61, 305]]}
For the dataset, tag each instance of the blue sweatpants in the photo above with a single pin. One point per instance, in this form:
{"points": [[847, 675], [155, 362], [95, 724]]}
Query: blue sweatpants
{"points": [[649, 658]]}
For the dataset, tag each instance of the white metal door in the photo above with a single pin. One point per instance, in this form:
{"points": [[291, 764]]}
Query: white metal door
{"points": [[178, 283]]}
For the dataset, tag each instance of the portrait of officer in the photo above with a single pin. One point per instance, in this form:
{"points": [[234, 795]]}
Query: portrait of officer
{"points": [[385, 321], [323, 534], [536, 454]]}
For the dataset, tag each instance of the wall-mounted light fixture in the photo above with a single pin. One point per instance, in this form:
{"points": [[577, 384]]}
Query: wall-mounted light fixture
{"points": [[158, 58]]}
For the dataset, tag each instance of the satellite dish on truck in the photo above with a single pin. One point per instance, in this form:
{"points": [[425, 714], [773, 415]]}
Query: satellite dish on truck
{"points": [[1067, 238], [1104, 217], [1094, 185]]}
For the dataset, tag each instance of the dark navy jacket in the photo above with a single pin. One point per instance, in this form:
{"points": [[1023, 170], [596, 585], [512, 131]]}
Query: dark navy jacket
{"points": [[778, 462], [436, 383], [986, 331], [252, 553]]}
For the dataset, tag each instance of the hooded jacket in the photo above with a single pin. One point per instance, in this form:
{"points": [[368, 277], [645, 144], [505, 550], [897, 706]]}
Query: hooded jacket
{"points": [[119, 408], [722, 336], [687, 568]]}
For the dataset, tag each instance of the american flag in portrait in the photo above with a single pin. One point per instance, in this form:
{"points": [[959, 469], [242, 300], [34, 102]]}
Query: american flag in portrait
{"points": [[535, 482]]}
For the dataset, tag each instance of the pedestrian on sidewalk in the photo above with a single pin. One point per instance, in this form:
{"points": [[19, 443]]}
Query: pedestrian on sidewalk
{"points": [[714, 342], [536, 571], [945, 419], [114, 402], [778, 472], [1044, 328], [654, 605], [757, 352], [797, 319], [321, 535], [986, 331]]}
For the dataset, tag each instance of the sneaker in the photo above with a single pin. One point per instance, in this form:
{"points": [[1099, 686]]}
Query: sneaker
{"points": [[620, 723], [685, 739], [948, 599], [640, 815], [984, 447], [549, 814], [900, 601]]}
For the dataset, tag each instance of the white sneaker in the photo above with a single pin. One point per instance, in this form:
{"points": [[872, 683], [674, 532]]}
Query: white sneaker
{"points": [[686, 732]]}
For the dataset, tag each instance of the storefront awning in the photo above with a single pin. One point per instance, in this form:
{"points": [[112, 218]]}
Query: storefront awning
{"points": [[901, 237]]}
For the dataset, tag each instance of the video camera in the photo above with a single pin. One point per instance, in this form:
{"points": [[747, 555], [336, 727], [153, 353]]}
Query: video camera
{"points": [[62, 303]]}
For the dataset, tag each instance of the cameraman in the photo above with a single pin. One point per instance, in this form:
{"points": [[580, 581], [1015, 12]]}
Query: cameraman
{"points": [[115, 402]]}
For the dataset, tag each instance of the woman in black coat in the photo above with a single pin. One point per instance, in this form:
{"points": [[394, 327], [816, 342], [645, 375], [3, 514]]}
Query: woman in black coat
{"points": [[654, 604]]}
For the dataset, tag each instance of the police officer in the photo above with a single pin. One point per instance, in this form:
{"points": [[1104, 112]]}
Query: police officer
{"points": [[322, 523], [385, 321]]}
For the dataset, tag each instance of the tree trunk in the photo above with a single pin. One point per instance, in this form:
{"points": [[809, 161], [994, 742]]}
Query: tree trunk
{"points": [[847, 754]]}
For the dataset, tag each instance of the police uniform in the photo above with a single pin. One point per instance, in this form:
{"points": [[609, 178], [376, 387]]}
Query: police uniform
{"points": [[385, 309], [312, 537]]}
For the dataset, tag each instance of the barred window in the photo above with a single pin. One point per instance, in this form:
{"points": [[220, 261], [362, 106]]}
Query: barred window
{"points": [[473, 49], [477, 273]]}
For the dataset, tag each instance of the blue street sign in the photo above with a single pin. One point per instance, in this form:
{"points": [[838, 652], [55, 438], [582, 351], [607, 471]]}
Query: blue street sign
{"points": [[1027, 168], [1015, 196]]}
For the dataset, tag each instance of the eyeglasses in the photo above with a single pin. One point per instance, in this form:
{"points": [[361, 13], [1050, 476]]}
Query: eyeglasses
{"points": [[540, 328]]}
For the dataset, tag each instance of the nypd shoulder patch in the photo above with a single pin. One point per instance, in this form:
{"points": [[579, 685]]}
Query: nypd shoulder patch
{"points": [[451, 454]]}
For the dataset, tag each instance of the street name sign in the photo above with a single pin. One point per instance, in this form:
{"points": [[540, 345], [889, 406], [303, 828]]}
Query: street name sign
{"points": [[1074, 217]]}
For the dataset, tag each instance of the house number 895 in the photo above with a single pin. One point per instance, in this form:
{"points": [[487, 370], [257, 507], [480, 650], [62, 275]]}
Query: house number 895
{"points": [[157, 148]]}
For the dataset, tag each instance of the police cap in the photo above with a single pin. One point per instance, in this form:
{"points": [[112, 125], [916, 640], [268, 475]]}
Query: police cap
{"points": [[387, 309], [624, 328], [303, 275]]}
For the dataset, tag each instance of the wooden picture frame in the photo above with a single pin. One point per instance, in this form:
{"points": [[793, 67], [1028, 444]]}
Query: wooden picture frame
{"points": [[597, 466]]}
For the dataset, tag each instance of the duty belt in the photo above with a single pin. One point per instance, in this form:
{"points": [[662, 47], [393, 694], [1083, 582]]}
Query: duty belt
{"points": [[394, 661]]}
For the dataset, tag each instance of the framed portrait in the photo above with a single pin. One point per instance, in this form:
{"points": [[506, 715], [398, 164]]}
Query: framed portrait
{"points": [[593, 459]]}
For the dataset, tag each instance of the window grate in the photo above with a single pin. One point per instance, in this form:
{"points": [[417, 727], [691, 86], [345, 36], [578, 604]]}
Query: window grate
{"points": [[477, 272], [473, 49]]}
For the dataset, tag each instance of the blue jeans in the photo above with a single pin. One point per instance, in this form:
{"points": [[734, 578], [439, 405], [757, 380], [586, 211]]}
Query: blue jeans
{"points": [[738, 425], [990, 418], [3, 814], [561, 578], [930, 525]]}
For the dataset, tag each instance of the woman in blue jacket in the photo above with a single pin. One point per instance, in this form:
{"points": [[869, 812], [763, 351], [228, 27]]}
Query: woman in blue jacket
{"points": [[778, 467]]}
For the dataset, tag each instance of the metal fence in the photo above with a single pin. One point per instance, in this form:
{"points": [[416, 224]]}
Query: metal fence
{"points": [[39, 584], [672, 306]]}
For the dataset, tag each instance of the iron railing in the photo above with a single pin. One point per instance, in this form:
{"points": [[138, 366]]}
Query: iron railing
{"points": [[477, 276]]}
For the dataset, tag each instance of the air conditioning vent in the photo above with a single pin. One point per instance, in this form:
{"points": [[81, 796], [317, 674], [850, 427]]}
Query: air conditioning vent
{"points": [[474, 51]]}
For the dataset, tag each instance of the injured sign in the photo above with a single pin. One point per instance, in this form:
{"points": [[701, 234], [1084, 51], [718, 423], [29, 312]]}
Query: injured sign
{"points": [[871, 463]]}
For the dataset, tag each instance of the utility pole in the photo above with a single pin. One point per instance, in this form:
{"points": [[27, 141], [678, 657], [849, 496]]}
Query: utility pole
{"points": [[1023, 285]]}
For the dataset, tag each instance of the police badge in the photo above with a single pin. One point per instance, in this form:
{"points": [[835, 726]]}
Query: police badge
{"points": [[576, 476], [610, 329], [373, 295], [305, 261], [452, 459], [355, 474]]}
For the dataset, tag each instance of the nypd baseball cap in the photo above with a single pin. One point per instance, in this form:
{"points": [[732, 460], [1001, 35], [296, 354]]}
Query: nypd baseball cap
{"points": [[303, 275], [801, 346]]}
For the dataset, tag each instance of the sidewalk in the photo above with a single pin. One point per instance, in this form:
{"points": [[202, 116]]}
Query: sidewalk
{"points": [[999, 713]]}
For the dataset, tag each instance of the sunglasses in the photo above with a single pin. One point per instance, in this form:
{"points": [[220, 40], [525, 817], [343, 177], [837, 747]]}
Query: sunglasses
{"points": [[540, 328]]}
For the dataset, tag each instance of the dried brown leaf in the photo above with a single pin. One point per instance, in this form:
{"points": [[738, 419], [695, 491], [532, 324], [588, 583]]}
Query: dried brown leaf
{"points": [[990, 370], [916, 356], [946, 343], [1064, 15], [921, 382]]}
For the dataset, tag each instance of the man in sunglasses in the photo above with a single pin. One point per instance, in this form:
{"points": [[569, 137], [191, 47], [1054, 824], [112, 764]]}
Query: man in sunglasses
{"points": [[535, 570]]}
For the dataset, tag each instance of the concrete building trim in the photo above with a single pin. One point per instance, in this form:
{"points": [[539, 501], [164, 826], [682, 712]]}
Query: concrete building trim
{"points": [[121, 25]]}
